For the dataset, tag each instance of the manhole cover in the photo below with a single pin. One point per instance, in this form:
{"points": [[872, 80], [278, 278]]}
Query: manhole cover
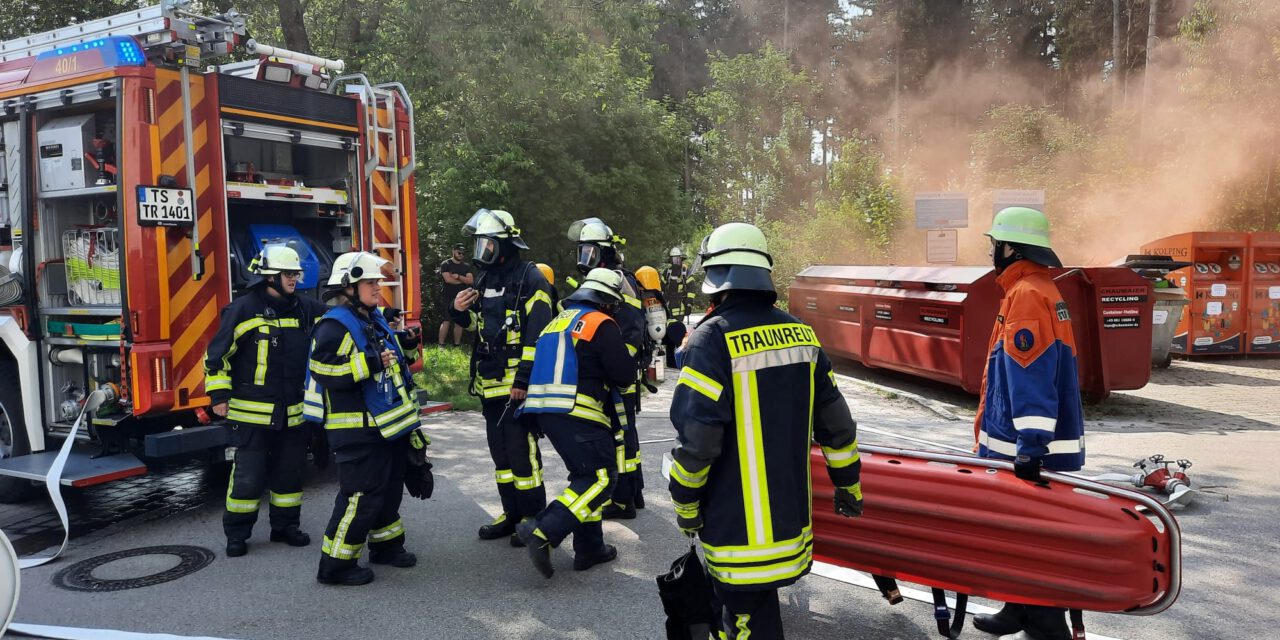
{"points": [[79, 576]]}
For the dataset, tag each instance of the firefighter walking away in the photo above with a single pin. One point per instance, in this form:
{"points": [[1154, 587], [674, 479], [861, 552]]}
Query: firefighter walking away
{"points": [[359, 386], [756, 389], [508, 308], [255, 369]]}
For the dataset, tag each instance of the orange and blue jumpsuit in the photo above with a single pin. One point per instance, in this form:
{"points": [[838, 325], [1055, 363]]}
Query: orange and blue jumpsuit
{"points": [[1031, 388]]}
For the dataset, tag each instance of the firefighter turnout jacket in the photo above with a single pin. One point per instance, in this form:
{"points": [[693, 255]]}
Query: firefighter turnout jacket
{"points": [[257, 363], [580, 363], [515, 304], [1031, 390], [348, 389], [755, 391], [679, 291]]}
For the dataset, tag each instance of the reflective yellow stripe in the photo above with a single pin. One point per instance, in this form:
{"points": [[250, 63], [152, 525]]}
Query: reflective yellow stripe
{"points": [[631, 465], [504, 476], [528, 354], [700, 382], [389, 532], [251, 405], [842, 457], [347, 346], [631, 300], [260, 372], [286, 499], [341, 551], [752, 554], [331, 370], [235, 505], [686, 510], [217, 382], [538, 296], [250, 418], [360, 367], [525, 483], [740, 575], [690, 479], [338, 547], [755, 484]]}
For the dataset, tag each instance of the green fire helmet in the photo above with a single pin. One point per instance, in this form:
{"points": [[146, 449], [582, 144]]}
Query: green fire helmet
{"points": [[736, 257], [275, 258], [602, 287], [1028, 231], [676, 252], [494, 223]]}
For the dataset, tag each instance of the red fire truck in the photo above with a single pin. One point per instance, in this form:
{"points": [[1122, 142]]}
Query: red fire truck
{"points": [[137, 180]]}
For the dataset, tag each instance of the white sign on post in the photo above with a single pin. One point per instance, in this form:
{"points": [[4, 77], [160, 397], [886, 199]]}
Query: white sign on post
{"points": [[1004, 198], [941, 246], [942, 210]]}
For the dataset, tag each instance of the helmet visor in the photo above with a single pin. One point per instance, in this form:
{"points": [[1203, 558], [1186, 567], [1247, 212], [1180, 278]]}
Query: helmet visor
{"points": [[590, 256], [485, 252]]}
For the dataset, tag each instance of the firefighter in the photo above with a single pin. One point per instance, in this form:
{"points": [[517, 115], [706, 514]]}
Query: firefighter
{"points": [[581, 361], [678, 293], [360, 387], [755, 389], [677, 286], [509, 306], [1030, 410], [599, 247], [255, 369]]}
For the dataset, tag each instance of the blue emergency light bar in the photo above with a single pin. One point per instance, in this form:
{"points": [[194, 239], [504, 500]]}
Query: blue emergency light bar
{"points": [[116, 51]]}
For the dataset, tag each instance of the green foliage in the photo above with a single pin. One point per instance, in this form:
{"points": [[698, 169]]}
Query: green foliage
{"points": [[755, 154], [446, 375]]}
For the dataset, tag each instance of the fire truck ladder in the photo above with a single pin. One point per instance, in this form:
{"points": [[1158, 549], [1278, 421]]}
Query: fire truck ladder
{"points": [[379, 106], [168, 25]]}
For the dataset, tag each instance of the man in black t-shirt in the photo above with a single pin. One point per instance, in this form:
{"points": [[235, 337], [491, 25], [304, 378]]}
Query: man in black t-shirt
{"points": [[457, 275]]}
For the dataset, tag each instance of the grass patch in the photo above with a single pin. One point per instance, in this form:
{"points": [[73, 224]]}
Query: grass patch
{"points": [[446, 374]]}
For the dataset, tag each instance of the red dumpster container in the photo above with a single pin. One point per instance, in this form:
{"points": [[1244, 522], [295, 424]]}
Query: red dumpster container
{"points": [[1262, 288], [1215, 321], [935, 322]]}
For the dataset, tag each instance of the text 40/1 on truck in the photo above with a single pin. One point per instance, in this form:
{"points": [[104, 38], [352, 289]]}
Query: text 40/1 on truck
{"points": [[136, 184]]}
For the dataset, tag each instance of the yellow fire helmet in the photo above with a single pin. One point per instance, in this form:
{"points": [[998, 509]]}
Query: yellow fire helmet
{"points": [[648, 278]]}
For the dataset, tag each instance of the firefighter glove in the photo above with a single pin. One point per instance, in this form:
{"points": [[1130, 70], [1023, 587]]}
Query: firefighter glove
{"points": [[419, 481], [318, 442], [849, 501], [688, 518], [1027, 468]]}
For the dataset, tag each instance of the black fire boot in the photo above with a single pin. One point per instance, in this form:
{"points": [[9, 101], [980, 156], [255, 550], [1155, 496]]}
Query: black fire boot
{"points": [[1009, 619], [501, 527], [1044, 623], [538, 547], [616, 511], [237, 548], [292, 536], [582, 562], [396, 557]]}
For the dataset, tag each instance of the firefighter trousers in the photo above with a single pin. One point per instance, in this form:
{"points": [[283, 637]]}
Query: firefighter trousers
{"points": [[749, 614], [266, 460], [517, 461], [630, 479], [588, 453], [367, 507]]}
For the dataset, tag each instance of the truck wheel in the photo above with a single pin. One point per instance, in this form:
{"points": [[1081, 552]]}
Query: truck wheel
{"points": [[13, 435]]}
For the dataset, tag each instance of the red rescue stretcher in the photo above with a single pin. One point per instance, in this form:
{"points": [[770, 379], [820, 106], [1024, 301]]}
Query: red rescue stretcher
{"points": [[967, 524]]}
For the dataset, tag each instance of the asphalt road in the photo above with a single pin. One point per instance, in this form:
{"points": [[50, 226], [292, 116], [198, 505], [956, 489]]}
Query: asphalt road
{"points": [[464, 588]]}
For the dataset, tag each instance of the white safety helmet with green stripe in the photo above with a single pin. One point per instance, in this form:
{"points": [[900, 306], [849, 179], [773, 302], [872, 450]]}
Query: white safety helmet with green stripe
{"points": [[735, 256], [275, 258], [601, 287], [676, 252], [353, 267], [1027, 230]]}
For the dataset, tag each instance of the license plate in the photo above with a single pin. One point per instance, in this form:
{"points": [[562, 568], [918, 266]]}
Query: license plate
{"points": [[165, 207]]}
